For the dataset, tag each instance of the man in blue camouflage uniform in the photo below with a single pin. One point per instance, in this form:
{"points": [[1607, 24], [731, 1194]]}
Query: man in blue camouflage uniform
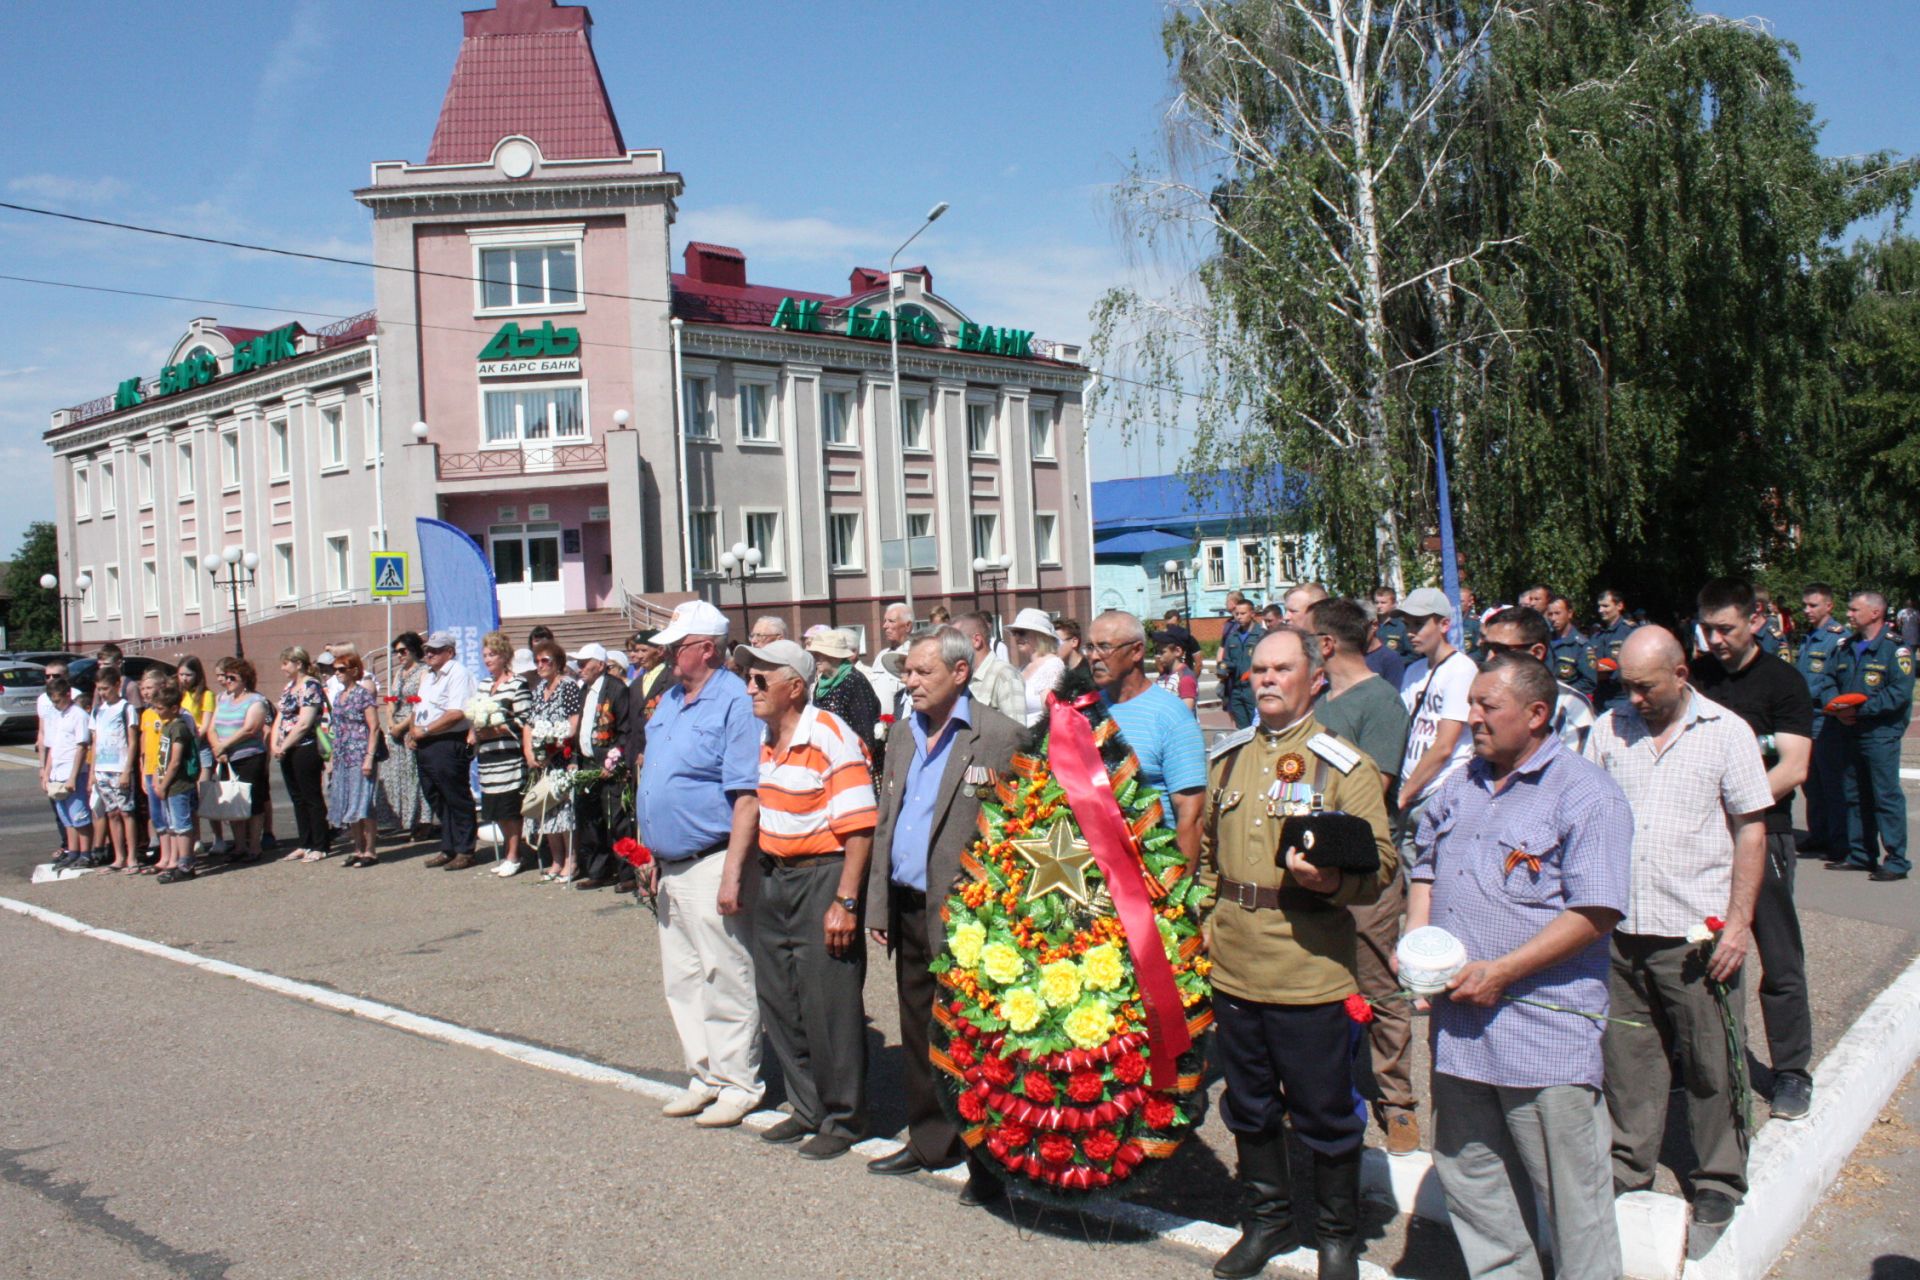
{"points": [[1567, 653], [1603, 651], [1825, 789], [1392, 631], [1236, 660], [1872, 662]]}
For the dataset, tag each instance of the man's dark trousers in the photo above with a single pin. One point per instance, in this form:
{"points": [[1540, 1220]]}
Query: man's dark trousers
{"points": [[444, 763], [811, 1005], [1876, 806], [1783, 963], [930, 1135]]}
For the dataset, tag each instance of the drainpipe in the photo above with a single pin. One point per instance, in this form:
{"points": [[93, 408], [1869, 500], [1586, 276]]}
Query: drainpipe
{"points": [[680, 459]]}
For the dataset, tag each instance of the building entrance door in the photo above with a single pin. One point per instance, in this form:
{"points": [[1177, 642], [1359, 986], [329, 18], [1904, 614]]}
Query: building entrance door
{"points": [[526, 568]]}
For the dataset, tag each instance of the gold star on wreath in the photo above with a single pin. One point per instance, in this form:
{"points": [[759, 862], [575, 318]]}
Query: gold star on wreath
{"points": [[1060, 861]]}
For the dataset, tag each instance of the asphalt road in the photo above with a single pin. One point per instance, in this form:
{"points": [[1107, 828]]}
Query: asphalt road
{"points": [[162, 1121]]}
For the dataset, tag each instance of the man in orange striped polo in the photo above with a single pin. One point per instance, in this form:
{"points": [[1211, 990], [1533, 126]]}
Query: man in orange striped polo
{"points": [[817, 816]]}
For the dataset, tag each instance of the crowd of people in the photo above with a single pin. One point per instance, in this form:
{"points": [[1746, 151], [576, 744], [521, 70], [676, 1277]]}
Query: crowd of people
{"points": [[1603, 821]]}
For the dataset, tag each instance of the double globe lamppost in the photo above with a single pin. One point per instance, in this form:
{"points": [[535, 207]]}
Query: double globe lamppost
{"points": [[241, 568], [80, 584], [739, 563], [992, 571]]}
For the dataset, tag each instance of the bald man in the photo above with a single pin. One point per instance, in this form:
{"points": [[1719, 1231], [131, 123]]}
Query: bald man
{"points": [[1685, 763]]}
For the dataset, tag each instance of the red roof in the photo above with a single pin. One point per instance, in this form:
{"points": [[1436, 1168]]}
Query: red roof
{"points": [[526, 67]]}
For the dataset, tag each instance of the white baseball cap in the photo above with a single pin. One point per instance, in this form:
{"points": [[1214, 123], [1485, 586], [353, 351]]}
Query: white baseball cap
{"points": [[589, 652], [692, 618], [781, 653]]}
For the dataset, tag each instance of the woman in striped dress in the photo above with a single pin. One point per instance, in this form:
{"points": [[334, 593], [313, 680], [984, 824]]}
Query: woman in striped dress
{"points": [[500, 745]]}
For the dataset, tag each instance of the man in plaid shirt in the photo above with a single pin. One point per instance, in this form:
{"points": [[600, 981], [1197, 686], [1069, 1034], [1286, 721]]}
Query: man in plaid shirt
{"points": [[1692, 772], [1523, 855]]}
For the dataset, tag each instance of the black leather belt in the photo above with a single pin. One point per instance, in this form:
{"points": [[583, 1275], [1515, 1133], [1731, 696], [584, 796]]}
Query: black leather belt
{"points": [[1262, 897], [770, 863]]}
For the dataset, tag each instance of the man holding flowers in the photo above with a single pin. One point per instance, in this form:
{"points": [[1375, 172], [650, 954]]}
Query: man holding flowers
{"points": [[1525, 857]]}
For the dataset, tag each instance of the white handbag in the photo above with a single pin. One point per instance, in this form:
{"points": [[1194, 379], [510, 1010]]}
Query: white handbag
{"points": [[225, 798]]}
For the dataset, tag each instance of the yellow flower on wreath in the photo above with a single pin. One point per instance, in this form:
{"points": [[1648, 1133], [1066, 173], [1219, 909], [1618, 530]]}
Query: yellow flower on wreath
{"points": [[966, 942], [1100, 968], [1089, 1025], [1022, 1009], [1001, 963], [1060, 983]]}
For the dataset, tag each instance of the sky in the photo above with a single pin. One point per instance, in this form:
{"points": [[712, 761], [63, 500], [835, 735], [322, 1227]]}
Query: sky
{"points": [[812, 136]]}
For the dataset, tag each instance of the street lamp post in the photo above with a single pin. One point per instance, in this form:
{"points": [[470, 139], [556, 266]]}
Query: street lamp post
{"points": [[899, 428], [1183, 576], [993, 571], [739, 563], [80, 585], [240, 566]]}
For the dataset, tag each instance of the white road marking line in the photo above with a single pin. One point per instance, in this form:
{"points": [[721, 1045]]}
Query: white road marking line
{"points": [[1910, 775], [1209, 1236]]}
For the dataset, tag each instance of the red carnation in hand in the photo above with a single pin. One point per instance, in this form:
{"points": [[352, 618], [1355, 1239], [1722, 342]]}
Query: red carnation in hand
{"points": [[1056, 1148], [1101, 1144], [1358, 1009], [633, 851], [1160, 1111], [1086, 1086], [1038, 1087], [997, 1070], [972, 1110], [1131, 1068], [962, 1054], [1015, 1134], [1715, 923]]}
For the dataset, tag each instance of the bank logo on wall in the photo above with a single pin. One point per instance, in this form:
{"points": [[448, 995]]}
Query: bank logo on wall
{"points": [[544, 350]]}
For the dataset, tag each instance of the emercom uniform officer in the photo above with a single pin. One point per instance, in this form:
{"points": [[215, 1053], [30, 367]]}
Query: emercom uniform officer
{"points": [[1873, 662], [1826, 789], [1283, 958]]}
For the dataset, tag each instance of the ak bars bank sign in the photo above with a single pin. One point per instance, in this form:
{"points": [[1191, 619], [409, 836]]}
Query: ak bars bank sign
{"points": [[917, 325]]}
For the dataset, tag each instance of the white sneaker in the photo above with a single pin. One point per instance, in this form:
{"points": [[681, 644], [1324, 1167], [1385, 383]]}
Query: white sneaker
{"points": [[727, 1111], [688, 1102], [506, 869]]}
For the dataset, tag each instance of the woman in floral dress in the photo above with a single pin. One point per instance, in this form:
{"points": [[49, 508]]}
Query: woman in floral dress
{"points": [[557, 702], [400, 804], [350, 785]]}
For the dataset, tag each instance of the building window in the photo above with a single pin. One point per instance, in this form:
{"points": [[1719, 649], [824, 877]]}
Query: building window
{"points": [[113, 591], [698, 395], [370, 430], [1253, 563], [836, 418], [539, 414], [986, 535], [919, 524], [150, 587], [183, 478], [1040, 430], [524, 276], [89, 602], [1046, 528], [108, 498], [143, 477], [843, 540], [913, 424], [279, 450], [1214, 565], [333, 436], [190, 584], [703, 536], [755, 406], [229, 459], [763, 534], [339, 562], [980, 428], [82, 494], [283, 583]]}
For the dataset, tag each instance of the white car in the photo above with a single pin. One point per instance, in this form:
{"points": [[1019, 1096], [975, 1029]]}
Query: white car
{"points": [[20, 687]]}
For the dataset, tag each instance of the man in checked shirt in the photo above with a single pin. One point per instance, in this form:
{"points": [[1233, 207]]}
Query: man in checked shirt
{"points": [[1524, 856]]}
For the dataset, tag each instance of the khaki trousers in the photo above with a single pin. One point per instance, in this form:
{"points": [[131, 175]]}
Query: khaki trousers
{"points": [[708, 976]]}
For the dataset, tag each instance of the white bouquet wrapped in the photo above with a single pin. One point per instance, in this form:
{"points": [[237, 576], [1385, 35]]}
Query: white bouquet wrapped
{"points": [[485, 712]]}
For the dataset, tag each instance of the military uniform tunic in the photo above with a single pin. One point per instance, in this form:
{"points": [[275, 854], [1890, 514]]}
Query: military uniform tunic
{"points": [[1605, 646], [1572, 663], [1882, 669]]}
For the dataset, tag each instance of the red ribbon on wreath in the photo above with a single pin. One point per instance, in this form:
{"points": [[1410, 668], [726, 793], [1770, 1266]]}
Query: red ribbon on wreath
{"points": [[1083, 775]]}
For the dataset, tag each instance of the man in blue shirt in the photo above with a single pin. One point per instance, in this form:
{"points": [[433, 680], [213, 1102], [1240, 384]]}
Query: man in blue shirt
{"points": [[1242, 633], [1156, 725], [699, 813], [1603, 651], [1524, 856], [938, 768]]}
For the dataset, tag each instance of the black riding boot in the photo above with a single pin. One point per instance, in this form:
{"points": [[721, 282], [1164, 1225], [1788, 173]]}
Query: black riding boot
{"points": [[1266, 1228], [1336, 1191]]}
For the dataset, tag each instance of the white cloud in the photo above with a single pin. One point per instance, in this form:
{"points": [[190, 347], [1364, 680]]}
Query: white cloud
{"points": [[67, 189], [804, 239]]}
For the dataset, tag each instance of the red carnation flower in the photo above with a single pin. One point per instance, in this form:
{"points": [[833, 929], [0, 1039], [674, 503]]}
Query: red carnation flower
{"points": [[997, 1144], [1086, 1086], [972, 1110], [997, 1070], [1056, 1148], [1358, 1008], [1715, 923], [1160, 1112], [962, 1054], [1037, 1087], [1131, 1068], [633, 851], [1015, 1134], [1101, 1144]]}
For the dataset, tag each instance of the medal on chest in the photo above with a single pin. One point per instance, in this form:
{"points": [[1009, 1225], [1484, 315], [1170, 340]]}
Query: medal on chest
{"points": [[1289, 795]]}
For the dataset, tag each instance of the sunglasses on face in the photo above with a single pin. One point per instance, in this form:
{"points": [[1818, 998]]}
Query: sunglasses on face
{"points": [[1102, 650], [759, 680]]}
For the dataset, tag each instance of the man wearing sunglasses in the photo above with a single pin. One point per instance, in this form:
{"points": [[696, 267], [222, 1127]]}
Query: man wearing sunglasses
{"points": [[699, 813], [1521, 630]]}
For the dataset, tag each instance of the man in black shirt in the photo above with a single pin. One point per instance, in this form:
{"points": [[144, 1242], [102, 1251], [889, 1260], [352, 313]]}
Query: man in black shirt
{"points": [[1772, 698]]}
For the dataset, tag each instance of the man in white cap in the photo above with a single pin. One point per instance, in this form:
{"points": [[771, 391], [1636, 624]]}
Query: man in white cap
{"points": [[438, 737], [699, 812], [603, 721], [1437, 738]]}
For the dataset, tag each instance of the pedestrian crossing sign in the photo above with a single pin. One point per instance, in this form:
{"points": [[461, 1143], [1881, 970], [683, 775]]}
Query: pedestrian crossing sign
{"points": [[390, 576]]}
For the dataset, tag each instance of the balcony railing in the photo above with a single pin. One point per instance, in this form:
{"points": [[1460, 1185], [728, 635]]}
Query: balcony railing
{"points": [[542, 460]]}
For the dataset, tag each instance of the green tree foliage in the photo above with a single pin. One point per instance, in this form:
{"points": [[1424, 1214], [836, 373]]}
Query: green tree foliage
{"points": [[34, 617]]}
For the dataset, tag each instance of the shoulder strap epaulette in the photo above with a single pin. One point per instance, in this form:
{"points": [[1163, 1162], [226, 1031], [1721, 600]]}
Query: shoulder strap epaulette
{"points": [[1236, 739], [1333, 751]]}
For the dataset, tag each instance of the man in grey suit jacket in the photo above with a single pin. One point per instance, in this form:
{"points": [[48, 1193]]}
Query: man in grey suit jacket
{"points": [[939, 766]]}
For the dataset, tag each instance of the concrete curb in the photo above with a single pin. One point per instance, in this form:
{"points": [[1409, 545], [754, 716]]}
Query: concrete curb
{"points": [[1791, 1165]]}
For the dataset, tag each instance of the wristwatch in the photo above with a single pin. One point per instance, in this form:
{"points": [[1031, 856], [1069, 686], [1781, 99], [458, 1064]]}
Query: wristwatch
{"points": [[851, 904]]}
